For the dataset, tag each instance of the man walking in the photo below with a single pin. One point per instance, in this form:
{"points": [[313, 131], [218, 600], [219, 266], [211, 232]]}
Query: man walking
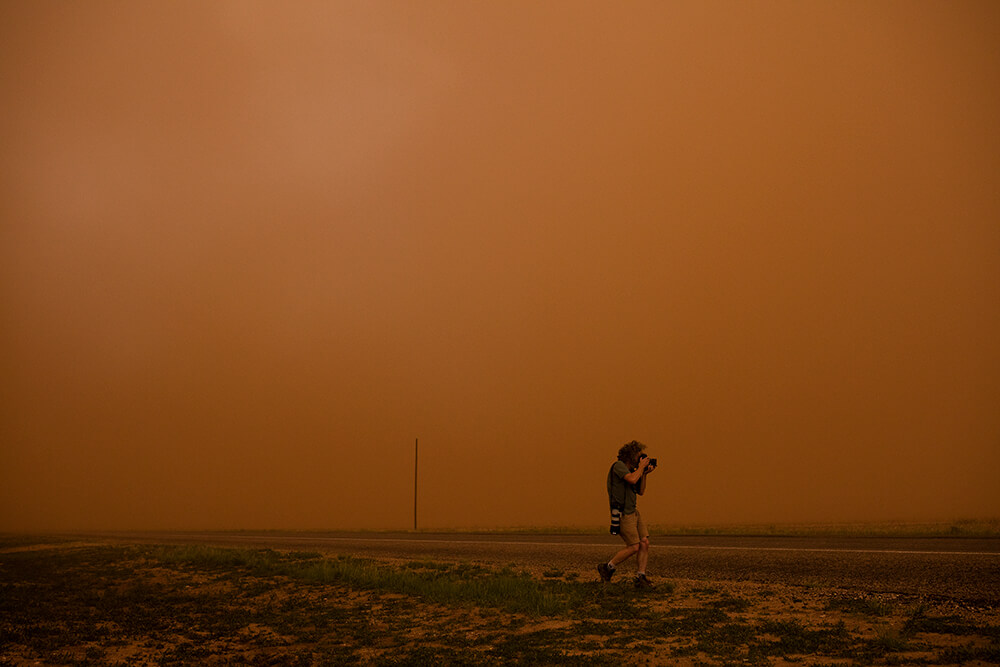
{"points": [[626, 481]]}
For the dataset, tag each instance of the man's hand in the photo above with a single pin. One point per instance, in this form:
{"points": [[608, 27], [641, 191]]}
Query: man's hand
{"points": [[643, 470]]}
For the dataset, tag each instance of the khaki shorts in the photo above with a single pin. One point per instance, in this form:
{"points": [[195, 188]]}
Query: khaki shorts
{"points": [[633, 528]]}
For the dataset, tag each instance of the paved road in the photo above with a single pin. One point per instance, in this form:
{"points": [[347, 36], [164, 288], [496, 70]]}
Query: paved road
{"points": [[966, 569]]}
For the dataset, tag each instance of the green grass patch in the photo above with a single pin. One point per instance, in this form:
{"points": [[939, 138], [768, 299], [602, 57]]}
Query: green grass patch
{"points": [[445, 583], [888, 640], [972, 653], [195, 604], [921, 621], [730, 603], [860, 605], [794, 638]]}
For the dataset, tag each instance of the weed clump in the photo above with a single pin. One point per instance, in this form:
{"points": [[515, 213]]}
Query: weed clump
{"points": [[195, 604]]}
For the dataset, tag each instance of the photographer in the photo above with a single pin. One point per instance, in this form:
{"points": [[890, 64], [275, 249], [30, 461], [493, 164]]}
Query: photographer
{"points": [[626, 481]]}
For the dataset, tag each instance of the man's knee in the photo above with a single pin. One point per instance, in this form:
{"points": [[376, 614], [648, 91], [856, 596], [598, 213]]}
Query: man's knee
{"points": [[635, 548], [644, 544]]}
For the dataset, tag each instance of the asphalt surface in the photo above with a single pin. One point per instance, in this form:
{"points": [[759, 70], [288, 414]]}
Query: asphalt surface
{"points": [[956, 568]]}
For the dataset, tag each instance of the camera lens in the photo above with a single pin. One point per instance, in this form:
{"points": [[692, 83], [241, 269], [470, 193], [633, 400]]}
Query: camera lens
{"points": [[616, 518]]}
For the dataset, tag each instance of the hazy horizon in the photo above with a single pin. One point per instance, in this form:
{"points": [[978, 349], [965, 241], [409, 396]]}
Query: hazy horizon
{"points": [[250, 253]]}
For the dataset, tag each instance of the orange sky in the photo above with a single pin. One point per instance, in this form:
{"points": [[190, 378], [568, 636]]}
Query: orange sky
{"points": [[250, 251]]}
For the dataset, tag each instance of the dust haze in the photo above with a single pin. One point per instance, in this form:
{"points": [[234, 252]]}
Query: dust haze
{"points": [[249, 253]]}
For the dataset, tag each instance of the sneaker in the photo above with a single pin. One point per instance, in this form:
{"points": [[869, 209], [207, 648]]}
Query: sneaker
{"points": [[605, 572], [642, 582]]}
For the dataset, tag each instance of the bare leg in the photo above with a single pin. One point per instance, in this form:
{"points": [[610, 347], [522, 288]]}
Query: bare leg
{"points": [[624, 554], [643, 555]]}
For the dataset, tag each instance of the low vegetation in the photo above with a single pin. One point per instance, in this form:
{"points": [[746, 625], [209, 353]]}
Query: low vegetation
{"points": [[973, 528], [150, 604]]}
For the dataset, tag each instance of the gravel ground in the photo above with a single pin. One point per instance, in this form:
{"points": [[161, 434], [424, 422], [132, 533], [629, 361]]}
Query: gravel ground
{"points": [[720, 601], [965, 570]]}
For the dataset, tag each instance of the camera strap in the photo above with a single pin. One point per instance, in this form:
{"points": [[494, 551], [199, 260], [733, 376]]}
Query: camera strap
{"points": [[625, 485]]}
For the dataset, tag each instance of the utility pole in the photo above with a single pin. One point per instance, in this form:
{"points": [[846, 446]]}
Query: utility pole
{"points": [[416, 456]]}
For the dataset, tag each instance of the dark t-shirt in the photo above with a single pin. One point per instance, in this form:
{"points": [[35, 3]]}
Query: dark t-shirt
{"points": [[618, 488]]}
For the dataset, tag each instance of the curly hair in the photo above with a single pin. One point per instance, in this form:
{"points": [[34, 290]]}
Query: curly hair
{"points": [[630, 451]]}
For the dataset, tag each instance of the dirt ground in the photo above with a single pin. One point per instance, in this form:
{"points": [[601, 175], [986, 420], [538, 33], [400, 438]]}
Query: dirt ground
{"points": [[93, 603]]}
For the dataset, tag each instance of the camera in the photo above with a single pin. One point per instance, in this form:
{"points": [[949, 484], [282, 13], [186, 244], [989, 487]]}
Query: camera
{"points": [[616, 520], [652, 462]]}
